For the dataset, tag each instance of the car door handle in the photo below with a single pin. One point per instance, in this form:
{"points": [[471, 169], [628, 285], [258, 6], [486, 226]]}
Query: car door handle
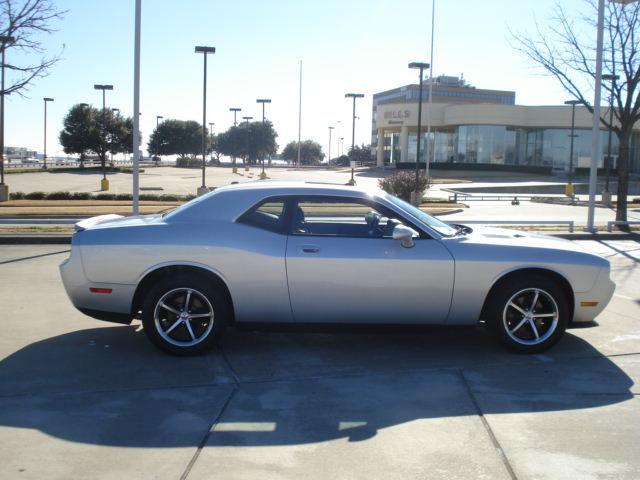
{"points": [[310, 249]]}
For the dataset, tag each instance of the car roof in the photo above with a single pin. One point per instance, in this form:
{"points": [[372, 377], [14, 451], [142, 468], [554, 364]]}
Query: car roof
{"points": [[295, 187], [237, 198]]}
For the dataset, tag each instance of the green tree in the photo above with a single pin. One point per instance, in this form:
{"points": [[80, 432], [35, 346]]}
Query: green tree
{"points": [[250, 141], [231, 143], [79, 134], [87, 130], [176, 137], [360, 154], [310, 152]]}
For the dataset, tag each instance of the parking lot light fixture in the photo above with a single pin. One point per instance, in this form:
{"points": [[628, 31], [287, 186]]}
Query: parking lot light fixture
{"points": [[44, 155], [205, 51], [263, 175], [235, 111], [104, 184], [353, 129], [421, 66]]}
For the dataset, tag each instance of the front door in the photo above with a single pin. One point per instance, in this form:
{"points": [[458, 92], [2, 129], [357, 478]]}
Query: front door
{"points": [[343, 266]]}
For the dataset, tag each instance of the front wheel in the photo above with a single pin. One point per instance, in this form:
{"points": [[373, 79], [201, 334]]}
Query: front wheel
{"points": [[184, 316], [529, 314]]}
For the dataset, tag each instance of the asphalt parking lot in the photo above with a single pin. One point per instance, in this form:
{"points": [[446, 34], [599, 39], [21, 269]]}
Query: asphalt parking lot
{"points": [[84, 399]]}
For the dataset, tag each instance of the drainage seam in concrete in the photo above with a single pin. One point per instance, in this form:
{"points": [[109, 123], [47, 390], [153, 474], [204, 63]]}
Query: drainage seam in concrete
{"points": [[487, 427], [33, 256], [205, 438], [234, 375]]}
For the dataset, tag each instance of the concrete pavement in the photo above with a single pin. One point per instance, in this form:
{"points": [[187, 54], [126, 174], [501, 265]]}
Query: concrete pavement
{"points": [[85, 399]]}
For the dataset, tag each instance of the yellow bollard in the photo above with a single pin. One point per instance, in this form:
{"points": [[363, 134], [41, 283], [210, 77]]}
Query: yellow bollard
{"points": [[246, 168], [104, 184], [568, 190]]}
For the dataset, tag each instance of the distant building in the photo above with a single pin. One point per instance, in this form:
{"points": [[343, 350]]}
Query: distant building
{"points": [[484, 129]]}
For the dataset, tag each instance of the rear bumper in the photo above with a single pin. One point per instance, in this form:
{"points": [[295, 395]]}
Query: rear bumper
{"points": [[112, 306], [601, 293]]}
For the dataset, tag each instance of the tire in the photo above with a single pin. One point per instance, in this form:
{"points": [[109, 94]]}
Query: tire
{"points": [[521, 326], [189, 332]]}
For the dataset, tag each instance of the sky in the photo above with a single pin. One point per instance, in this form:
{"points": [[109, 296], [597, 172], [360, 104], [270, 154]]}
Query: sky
{"points": [[360, 46]]}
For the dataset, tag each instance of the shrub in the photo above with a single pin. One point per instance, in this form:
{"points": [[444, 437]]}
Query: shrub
{"points": [[16, 196], [105, 196], [35, 196], [169, 198], [58, 196], [187, 162], [80, 196], [124, 196], [402, 183]]}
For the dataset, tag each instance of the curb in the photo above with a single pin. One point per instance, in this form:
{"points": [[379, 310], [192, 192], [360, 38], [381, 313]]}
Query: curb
{"points": [[35, 239]]}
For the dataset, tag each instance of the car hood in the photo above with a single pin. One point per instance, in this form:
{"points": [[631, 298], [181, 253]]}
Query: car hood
{"points": [[503, 236]]}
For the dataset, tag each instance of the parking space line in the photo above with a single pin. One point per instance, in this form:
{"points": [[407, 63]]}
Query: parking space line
{"points": [[487, 427], [33, 256]]}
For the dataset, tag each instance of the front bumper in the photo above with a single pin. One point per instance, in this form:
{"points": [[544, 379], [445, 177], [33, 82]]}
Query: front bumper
{"points": [[600, 293]]}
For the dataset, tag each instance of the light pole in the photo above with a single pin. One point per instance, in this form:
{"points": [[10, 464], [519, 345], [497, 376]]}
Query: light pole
{"points": [[4, 189], [205, 51], [606, 195], [246, 164], [329, 153], [104, 184], [211, 124], [235, 111], [341, 146], [353, 129], [46, 100], [263, 101], [568, 191], [117, 112], [158, 118], [420, 66]]}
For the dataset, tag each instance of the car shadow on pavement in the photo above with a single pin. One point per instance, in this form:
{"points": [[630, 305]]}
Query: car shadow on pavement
{"points": [[107, 386]]}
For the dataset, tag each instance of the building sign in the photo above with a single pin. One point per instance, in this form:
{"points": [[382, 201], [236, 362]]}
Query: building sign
{"points": [[397, 114]]}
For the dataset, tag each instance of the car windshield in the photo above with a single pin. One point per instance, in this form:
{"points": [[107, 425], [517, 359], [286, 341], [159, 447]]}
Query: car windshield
{"points": [[418, 214]]}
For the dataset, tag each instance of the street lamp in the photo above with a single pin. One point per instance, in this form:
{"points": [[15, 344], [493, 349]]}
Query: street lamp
{"points": [[205, 51], [353, 128], [422, 67], [235, 111], [329, 153], [158, 118], [246, 165], [263, 101], [46, 100], [4, 189], [104, 184], [606, 195], [568, 191]]}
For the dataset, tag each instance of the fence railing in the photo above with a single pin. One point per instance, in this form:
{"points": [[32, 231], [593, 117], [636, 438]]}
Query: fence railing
{"points": [[619, 222], [569, 223]]}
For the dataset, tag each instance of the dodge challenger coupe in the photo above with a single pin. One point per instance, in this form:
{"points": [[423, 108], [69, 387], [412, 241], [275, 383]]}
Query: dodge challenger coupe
{"points": [[306, 253]]}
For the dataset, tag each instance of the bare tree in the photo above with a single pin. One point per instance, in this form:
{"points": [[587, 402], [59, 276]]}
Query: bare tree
{"points": [[27, 21], [566, 51]]}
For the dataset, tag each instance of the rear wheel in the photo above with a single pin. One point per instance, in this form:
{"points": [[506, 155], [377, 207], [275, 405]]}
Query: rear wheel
{"points": [[529, 314], [184, 316]]}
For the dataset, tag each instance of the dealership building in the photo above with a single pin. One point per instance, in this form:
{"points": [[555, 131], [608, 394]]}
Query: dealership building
{"points": [[484, 129]]}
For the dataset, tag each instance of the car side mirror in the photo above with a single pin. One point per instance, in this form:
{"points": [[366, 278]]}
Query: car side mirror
{"points": [[405, 235]]}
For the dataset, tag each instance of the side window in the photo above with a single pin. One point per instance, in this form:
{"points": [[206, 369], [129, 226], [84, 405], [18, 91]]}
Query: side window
{"points": [[341, 217], [269, 215]]}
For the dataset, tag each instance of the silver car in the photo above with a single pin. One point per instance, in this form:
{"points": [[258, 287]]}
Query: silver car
{"points": [[303, 253]]}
